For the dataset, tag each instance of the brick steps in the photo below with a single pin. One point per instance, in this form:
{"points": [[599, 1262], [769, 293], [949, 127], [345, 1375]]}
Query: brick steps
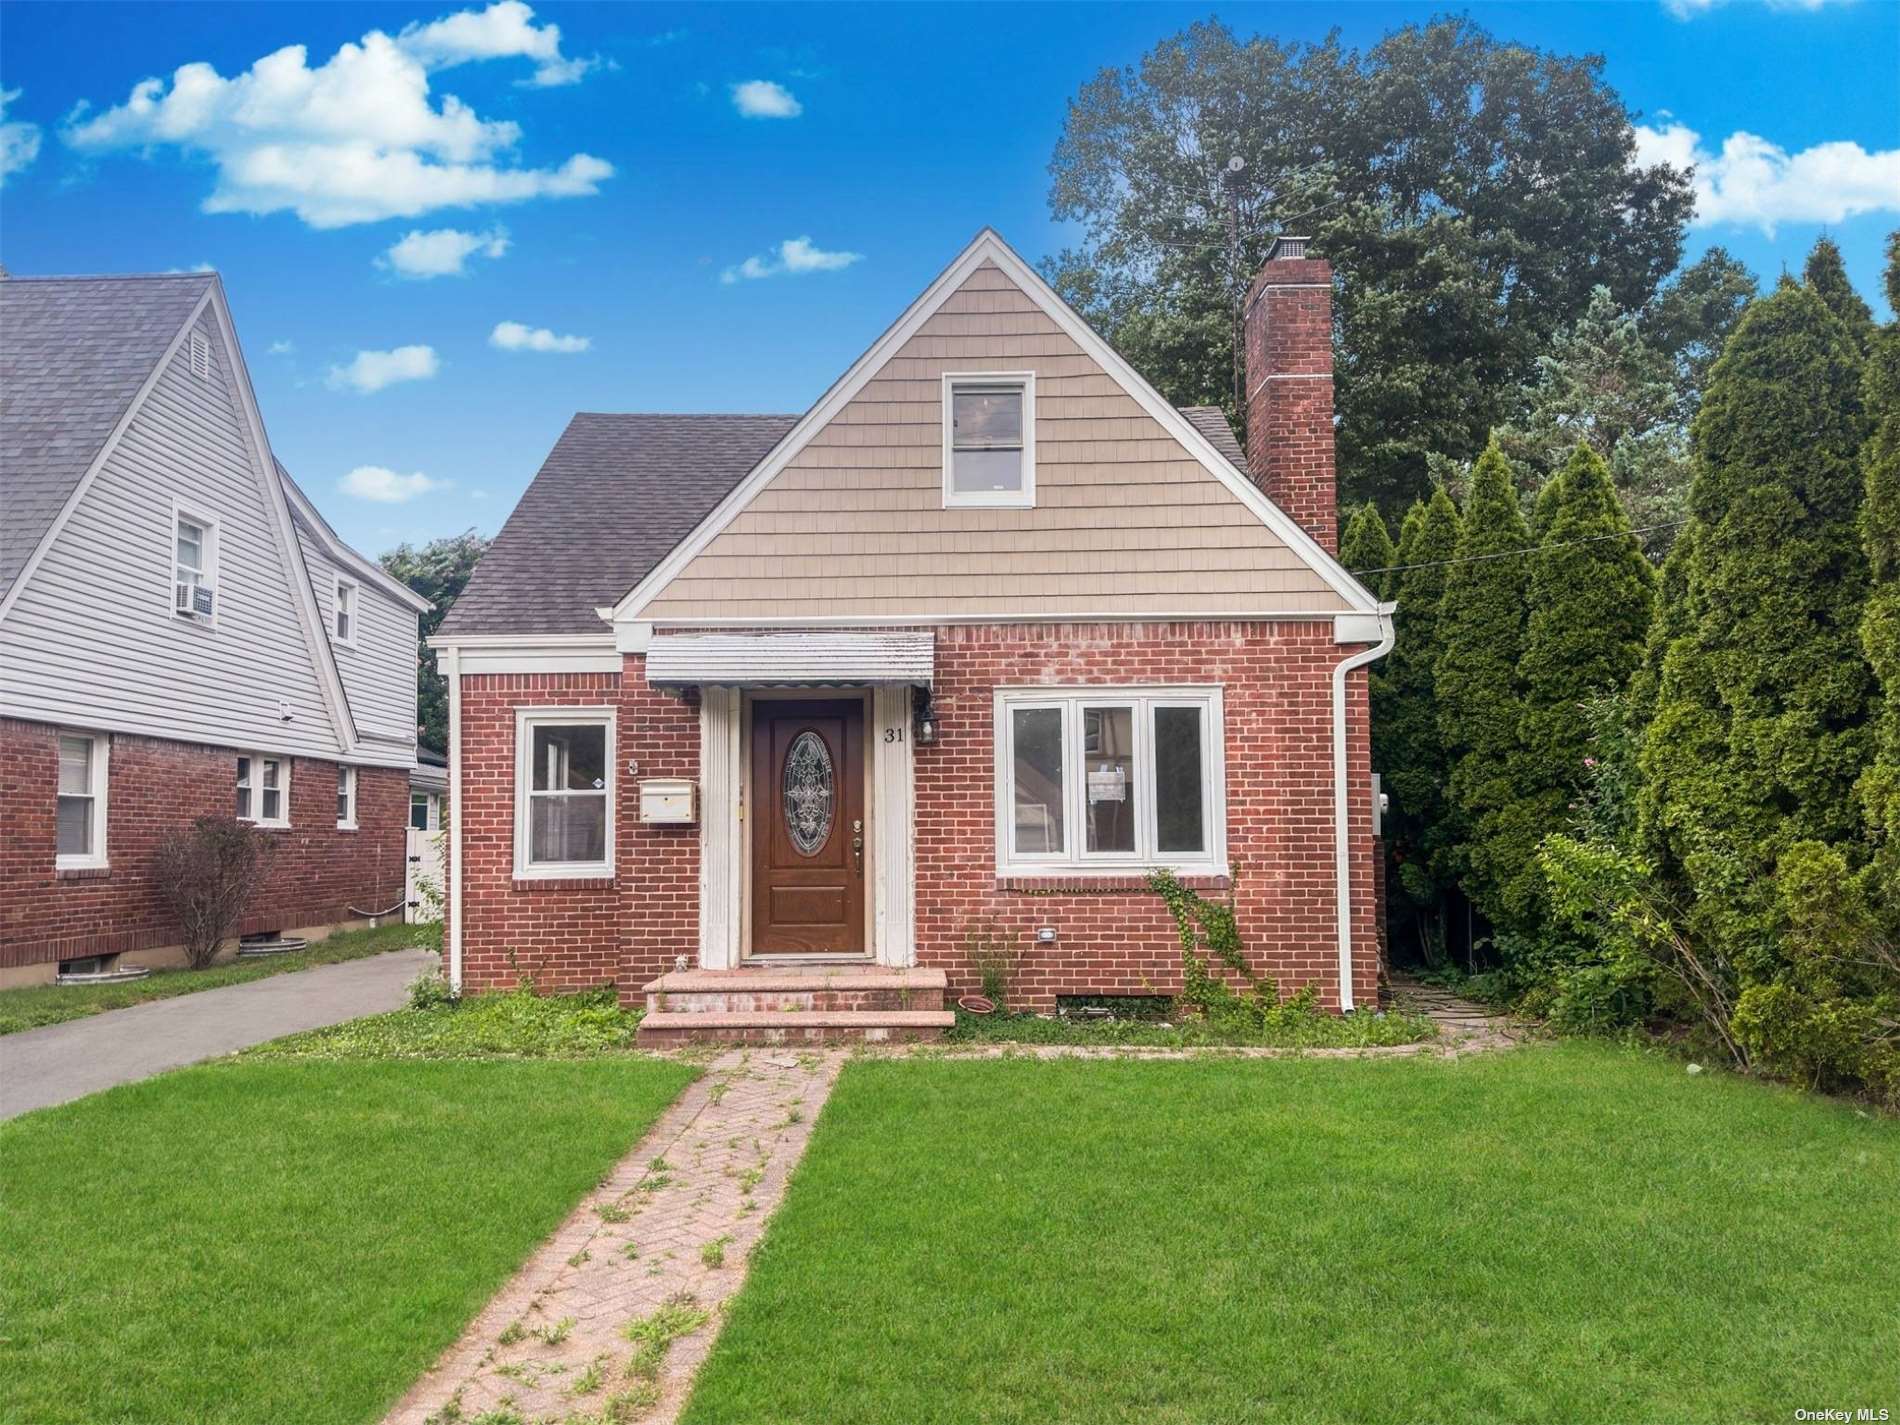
{"points": [[663, 1027], [810, 1003]]}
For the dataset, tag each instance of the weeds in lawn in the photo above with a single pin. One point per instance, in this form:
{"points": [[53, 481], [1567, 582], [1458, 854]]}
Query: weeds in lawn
{"points": [[653, 1336], [449, 1414], [713, 1254], [514, 1331], [659, 1165], [518, 1025], [631, 1251], [750, 1179], [579, 1257], [612, 1212], [630, 1404]]}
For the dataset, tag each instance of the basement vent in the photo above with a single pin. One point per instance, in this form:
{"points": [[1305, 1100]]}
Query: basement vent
{"points": [[200, 357]]}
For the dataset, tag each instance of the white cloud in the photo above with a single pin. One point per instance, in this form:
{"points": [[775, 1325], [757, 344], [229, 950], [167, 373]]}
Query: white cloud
{"points": [[282, 348], [517, 336], [762, 99], [442, 253], [356, 140], [19, 140], [373, 370], [1689, 9], [795, 256], [1752, 182], [505, 30], [386, 487]]}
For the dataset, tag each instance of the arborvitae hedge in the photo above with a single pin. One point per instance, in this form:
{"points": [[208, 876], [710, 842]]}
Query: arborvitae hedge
{"points": [[1762, 718], [1880, 536], [1480, 705], [1422, 828], [1826, 276], [1367, 544], [1591, 597]]}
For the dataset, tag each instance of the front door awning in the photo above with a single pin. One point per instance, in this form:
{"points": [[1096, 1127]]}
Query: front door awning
{"points": [[779, 660]]}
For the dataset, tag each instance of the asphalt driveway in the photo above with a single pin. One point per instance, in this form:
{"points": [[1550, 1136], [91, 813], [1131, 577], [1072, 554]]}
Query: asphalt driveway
{"points": [[42, 1067]]}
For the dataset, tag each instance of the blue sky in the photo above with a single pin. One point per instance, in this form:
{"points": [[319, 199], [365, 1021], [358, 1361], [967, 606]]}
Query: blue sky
{"points": [[610, 182]]}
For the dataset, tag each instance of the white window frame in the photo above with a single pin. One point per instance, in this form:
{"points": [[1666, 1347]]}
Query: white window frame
{"points": [[94, 858], [526, 721], [1022, 499], [338, 612], [256, 788], [431, 811], [208, 555], [346, 797], [1072, 859]]}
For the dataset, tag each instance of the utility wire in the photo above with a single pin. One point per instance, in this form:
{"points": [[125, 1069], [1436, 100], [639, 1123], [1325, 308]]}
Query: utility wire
{"points": [[1528, 549]]}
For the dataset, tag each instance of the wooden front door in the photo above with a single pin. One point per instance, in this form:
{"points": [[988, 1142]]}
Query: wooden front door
{"points": [[809, 829]]}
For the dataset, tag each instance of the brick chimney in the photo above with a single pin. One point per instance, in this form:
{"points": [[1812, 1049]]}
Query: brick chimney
{"points": [[1289, 346]]}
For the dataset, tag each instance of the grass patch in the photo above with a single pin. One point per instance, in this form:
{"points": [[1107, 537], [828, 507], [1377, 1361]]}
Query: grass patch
{"points": [[36, 1005], [1362, 1029], [266, 1242], [1568, 1233], [519, 1025]]}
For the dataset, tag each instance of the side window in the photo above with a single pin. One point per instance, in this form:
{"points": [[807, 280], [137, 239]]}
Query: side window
{"points": [[346, 798], [343, 613], [263, 789], [194, 566], [81, 814]]}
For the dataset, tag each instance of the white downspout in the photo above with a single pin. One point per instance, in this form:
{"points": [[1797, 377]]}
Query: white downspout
{"points": [[453, 658], [1349, 628]]}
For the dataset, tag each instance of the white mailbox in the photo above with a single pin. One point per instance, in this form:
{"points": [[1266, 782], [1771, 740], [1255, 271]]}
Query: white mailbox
{"points": [[668, 799]]}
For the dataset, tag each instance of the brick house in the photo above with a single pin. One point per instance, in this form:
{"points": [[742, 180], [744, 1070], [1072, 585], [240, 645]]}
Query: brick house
{"points": [[770, 718], [181, 634]]}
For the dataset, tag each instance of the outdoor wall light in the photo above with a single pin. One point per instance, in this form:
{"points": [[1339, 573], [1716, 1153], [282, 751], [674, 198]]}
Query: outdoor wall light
{"points": [[924, 716]]}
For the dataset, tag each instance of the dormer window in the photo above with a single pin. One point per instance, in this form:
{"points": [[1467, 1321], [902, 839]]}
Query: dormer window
{"points": [[343, 613], [989, 445]]}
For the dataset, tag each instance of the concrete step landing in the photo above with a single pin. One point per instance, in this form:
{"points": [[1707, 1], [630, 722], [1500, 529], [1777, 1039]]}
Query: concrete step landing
{"points": [[774, 1004]]}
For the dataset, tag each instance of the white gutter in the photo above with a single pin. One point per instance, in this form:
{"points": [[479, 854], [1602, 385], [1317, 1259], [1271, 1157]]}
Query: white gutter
{"points": [[452, 658], [1350, 628]]}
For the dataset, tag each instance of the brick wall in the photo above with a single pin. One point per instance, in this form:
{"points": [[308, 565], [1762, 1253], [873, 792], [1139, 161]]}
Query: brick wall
{"points": [[155, 786], [1288, 336], [576, 934], [1113, 938]]}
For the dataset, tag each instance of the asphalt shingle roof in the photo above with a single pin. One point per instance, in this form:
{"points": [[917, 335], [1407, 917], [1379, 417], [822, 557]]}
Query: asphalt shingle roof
{"points": [[1211, 421], [613, 497], [73, 353]]}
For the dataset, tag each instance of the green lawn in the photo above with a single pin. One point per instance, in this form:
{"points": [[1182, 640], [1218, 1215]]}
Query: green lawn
{"points": [[519, 1024], [1566, 1233], [275, 1242], [50, 1004]]}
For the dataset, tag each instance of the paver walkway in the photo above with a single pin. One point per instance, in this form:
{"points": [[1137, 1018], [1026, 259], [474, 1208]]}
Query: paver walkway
{"points": [[660, 1247], [59, 1062], [1461, 1023]]}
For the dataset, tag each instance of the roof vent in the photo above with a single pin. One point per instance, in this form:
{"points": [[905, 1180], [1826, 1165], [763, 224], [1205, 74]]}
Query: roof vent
{"points": [[200, 357], [1287, 249]]}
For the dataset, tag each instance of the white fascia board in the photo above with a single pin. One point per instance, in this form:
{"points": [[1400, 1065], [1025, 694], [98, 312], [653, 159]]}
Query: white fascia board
{"points": [[531, 653], [989, 247], [302, 591], [357, 564], [110, 444]]}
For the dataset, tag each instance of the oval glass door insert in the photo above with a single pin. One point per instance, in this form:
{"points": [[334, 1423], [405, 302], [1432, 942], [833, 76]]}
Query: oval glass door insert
{"points": [[809, 793]]}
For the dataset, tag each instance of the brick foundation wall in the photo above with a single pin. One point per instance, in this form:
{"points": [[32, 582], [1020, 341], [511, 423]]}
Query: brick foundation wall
{"points": [[1113, 937], [154, 787]]}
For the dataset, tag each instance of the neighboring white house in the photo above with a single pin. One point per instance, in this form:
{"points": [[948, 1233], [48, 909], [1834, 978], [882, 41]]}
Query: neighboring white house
{"points": [[181, 633]]}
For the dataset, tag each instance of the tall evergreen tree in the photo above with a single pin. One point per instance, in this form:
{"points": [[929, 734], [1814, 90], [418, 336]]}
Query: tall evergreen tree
{"points": [[1880, 533], [1692, 315], [1480, 704], [1825, 274], [1367, 544], [1590, 597], [1422, 828], [1762, 718]]}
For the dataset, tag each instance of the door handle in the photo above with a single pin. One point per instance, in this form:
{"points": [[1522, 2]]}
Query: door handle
{"points": [[857, 847]]}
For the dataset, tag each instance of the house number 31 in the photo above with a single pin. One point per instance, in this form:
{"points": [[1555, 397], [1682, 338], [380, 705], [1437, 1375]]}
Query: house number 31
{"points": [[894, 734]]}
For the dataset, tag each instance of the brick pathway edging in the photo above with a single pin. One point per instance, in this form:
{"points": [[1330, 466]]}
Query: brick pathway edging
{"points": [[661, 1246]]}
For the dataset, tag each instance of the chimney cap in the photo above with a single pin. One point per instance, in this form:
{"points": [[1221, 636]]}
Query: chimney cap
{"points": [[1287, 249]]}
